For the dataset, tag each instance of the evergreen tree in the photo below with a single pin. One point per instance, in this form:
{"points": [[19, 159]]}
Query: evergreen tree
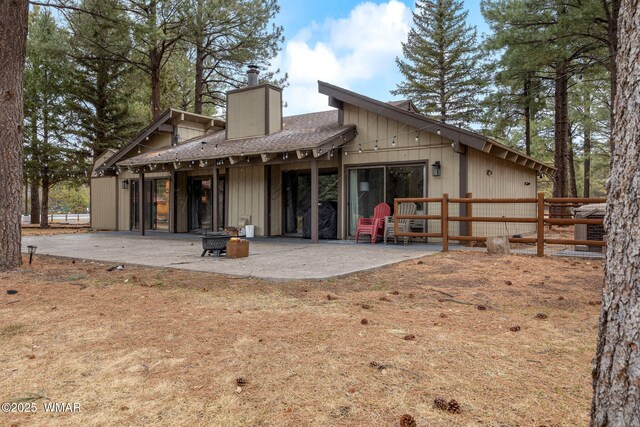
{"points": [[224, 38], [100, 38], [50, 153], [441, 65]]}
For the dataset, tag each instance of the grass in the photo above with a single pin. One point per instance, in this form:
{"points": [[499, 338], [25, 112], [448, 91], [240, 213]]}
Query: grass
{"points": [[165, 347]]}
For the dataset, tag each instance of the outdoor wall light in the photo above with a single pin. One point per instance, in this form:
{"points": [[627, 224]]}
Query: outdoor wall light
{"points": [[32, 250], [527, 183], [489, 172], [436, 169], [125, 184]]}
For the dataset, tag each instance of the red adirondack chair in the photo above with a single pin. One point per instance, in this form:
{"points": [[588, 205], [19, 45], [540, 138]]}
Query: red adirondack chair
{"points": [[373, 226]]}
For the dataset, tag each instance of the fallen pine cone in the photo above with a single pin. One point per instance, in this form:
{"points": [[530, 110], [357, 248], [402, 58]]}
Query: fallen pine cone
{"points": [[440, 403], [514, 328], [541, 316], [240, 382], [508, 282], [374, 364], [560, 298], [395, 293], [366, 306], [331, 297], [594, 302], [420, 262], [385, 299], [407, 421], [453, 407], [364, 322], [409, 337], [443, 316], [481, 307], [412, 296]]}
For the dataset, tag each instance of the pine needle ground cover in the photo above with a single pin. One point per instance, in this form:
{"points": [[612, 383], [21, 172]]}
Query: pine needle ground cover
{"points": [[493, 341]]}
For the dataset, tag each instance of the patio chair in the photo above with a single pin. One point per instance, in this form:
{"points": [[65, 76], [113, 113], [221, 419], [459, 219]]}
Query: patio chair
{"points": [[404, 225], [375, 225]]}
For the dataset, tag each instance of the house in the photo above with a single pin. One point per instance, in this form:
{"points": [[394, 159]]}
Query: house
{"points": [[309, 175]]}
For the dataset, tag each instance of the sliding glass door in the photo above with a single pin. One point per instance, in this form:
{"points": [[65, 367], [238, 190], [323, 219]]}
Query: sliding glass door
{"points": [[156, 204], [373, 185]]}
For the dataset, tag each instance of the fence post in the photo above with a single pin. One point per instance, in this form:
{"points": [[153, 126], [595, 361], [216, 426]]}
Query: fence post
{"points": [[395, 219], [444, 228], [540, 224], [469, 214]]}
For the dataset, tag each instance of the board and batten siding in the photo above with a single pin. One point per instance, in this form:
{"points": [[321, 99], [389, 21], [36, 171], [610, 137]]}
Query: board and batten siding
{"points": [[246, 196], [103, 203], [429, 148], [505, 180]]}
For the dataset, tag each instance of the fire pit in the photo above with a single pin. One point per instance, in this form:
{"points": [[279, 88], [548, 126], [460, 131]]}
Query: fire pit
{"points": [[215, 244]]}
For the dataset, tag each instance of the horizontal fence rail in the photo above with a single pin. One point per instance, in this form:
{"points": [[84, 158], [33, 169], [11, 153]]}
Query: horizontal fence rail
{"points": [[559, 213]]}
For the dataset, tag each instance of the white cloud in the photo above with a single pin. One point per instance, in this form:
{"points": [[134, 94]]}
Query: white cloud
{"points": [[347, 52]]}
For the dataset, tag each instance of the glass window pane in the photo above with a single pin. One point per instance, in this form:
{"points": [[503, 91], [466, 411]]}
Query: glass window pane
{"points": [[366, 190], [404, 182]]}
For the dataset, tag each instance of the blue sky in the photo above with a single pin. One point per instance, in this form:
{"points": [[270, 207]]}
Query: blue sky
{"points": [[348, 43]]}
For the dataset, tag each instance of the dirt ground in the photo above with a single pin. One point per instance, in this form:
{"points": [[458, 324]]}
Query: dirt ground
{"points": [[35, 230], [146, 346]]}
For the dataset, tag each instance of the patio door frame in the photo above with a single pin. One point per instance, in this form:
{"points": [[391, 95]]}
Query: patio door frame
{"points": [[134, 200], [384, 166]]}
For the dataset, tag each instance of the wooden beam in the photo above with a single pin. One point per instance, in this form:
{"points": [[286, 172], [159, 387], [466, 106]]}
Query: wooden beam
{"points": [[267, 156], [141, 202], [314, 201], [165, 128], [302, 154], [235, 159], [215, 199]]}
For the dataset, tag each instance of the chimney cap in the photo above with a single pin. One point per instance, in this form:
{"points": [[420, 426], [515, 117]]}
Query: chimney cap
{"points": [[252, 75]]}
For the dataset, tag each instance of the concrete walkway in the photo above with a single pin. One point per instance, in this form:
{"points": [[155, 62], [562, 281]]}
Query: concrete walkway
{"points": [[269, 258]]}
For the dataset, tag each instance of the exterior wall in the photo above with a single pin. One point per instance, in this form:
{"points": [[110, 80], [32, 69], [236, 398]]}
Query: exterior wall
{"points": [[246, 113], [187, 130], [506, 180], [429, 148], [246, 196], [103, 203], [275, 110]]}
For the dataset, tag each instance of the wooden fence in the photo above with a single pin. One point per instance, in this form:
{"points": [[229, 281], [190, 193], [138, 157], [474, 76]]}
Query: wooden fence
{"points": [[558, 208]]}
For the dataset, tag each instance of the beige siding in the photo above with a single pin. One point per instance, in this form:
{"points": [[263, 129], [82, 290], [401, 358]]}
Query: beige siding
{"points": [[246, 196], [276, 200], [187, 130], [506, 180], [103, 203], [246, 113], [275, 110], [429, 148], [124, 206]]}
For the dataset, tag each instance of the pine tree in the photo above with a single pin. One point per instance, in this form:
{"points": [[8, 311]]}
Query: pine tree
{"points": [[224, 38], [441, 65], [99, 102], [50, 153]]}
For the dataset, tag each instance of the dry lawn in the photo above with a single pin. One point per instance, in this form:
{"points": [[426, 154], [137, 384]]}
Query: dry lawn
{"points": [[143, 347], [35, 230]]}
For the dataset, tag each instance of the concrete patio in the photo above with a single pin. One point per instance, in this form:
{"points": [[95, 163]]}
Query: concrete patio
{"points": [[269, 258]]}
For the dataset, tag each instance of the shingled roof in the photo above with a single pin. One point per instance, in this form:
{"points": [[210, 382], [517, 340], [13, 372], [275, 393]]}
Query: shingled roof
{"points": [[301, 132]]}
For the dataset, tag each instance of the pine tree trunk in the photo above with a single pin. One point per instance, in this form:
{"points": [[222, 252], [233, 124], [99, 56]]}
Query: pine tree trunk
{"points": [[527, 116], [155, 83], [616, 372], [587, 148], [35, 202], [13, 37], [44, 205], [199, 87], [571, 164], [561, 126]]}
